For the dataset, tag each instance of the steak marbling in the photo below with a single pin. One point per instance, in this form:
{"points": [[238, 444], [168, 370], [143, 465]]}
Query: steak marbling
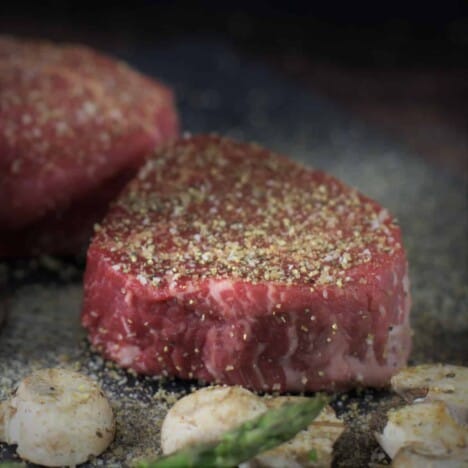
{"points": [[224, 262]]}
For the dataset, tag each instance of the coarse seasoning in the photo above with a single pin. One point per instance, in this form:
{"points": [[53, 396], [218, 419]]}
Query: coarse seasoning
{"points": [[217, 208]]}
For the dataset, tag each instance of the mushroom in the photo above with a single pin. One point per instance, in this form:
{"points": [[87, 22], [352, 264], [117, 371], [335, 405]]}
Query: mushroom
{"points": [[57, 417], [204, 415]]}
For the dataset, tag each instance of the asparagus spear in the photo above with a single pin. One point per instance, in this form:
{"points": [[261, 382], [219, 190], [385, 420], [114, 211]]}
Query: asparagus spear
{"points": [[263, 433]]}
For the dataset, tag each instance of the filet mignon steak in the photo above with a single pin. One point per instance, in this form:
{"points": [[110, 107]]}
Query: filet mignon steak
{"points": [[224, 262], [65, 231], [70, 120]]}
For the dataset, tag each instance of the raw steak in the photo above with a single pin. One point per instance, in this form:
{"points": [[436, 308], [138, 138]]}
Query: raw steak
{"points": [[66, 231], [70, 120], [226, 263]]}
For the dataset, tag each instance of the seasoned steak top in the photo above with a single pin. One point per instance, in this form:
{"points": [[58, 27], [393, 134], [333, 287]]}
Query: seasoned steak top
{"points": [[209, 207], [51, 94], [69, 119]]}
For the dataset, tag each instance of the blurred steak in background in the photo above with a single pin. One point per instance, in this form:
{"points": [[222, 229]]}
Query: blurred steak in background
{"points": [[74, 126]]}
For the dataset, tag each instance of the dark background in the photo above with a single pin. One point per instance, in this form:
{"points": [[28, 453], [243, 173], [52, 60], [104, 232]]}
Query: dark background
{"points": [[389, 34], [401, 66]]}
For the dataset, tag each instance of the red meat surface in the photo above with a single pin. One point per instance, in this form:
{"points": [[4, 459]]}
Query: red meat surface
{"points": [[67, 231], [70, 120], [224, 262]]}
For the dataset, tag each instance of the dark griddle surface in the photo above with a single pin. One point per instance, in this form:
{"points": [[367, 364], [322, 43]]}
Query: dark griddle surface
{"points": [[220, 91]]}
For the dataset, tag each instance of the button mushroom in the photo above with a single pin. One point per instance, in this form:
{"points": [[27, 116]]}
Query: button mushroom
{"points": [[57, 417]]}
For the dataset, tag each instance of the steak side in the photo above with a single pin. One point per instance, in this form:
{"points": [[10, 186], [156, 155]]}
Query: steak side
{"points": [[66, 231], [224, 262]]}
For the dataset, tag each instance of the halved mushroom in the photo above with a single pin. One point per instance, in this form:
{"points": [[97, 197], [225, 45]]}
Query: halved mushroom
{"points": [[435, 382], [57, 418]]}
